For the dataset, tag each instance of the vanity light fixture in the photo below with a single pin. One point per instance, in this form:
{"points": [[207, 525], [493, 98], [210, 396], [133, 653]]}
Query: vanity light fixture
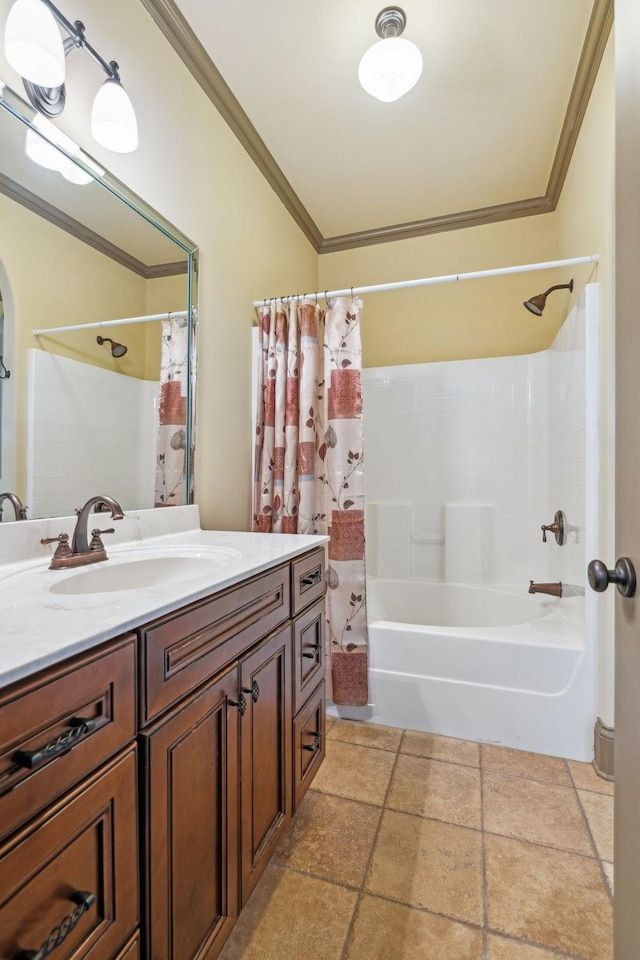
{"points": [[35, 48], [392, 66], [536, 304], [41, 142]]}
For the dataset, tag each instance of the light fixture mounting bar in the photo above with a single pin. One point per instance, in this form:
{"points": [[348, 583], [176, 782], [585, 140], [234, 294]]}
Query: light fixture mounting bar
{"points": [[390, 22], [76, 33]]}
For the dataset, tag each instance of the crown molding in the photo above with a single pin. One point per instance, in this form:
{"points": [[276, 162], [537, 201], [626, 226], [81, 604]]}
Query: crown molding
{"points": [[184, 41], [182, 38], [451, 221], [15, 191], [596, 38]]}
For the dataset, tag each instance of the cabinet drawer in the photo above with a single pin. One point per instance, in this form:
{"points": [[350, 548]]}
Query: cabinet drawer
{"points": [[307, 580], [308, 653], [308, 743], [182, 650], [71, 879], [62, 724]]}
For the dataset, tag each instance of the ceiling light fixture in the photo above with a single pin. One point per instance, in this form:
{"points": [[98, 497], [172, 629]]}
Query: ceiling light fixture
{"points": [[536, 304], [35, 48], [392, 66]]}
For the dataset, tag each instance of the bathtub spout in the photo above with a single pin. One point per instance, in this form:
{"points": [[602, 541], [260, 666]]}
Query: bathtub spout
{"points": [[553, 589]]}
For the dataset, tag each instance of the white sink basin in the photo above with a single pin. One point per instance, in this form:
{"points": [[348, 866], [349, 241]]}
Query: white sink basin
{"points": [[144, 572]]}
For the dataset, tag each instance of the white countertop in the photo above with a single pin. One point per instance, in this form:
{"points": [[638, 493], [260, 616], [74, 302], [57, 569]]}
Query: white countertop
{"points": [[40, 626]]}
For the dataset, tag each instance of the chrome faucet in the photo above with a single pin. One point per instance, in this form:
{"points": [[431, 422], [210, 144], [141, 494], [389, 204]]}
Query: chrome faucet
{"points": [[19, 508], [553, 589], [83, 550]]}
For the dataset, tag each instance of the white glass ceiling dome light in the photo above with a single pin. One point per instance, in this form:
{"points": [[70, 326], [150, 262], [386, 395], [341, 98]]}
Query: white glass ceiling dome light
{"points": [[392, 66], [113, 120], [33, 45]]}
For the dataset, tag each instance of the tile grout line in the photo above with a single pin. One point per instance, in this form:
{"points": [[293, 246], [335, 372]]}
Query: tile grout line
{"points": [[585, 818], [485, 892], [361, 891]]}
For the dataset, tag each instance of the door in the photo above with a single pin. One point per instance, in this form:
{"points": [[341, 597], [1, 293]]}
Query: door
{"points": [[190, 825], [265, 748], [627, 709]]}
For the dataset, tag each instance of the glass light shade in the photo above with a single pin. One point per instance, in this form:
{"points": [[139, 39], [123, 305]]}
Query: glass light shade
{"points": [[113, 120], [75, 174], [390, 68], [33, 44], [44, 153]]}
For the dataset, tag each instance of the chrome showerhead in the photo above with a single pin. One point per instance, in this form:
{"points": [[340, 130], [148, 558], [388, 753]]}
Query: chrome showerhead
{"points": [[536, 304], [117, 349]]}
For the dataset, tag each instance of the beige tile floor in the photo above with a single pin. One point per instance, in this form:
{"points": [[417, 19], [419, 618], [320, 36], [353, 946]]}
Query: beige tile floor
{"points": [[416, 847]]}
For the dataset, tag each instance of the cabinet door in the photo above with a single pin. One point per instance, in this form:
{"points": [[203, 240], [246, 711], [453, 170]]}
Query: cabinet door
{"points": [[69, 880], [265, 680], [191, 825]]}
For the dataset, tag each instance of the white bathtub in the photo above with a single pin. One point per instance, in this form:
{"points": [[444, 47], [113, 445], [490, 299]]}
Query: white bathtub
{"points": [[492, 665]]}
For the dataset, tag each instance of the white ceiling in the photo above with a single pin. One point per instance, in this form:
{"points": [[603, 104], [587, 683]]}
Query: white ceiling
{"points": [[480, 128]]}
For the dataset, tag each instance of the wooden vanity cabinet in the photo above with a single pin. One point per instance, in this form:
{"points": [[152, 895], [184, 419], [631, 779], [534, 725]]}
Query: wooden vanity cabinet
{"points": [[68, 809], [190, 823], [178, 826]]}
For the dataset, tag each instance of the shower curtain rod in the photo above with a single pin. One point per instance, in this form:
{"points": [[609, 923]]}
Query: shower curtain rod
{"points": [[428, 281], [179, 315]]}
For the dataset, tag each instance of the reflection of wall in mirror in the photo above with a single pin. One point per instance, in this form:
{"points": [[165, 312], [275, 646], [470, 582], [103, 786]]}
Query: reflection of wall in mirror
{"points": [[1, 355], [57, 280]]}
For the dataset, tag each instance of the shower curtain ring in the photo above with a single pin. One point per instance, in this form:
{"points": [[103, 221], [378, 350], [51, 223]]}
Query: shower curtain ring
{"points": [[352, 293]]}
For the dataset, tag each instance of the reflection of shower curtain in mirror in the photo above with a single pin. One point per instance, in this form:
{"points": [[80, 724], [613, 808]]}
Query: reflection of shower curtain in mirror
{"points": [[172, 430], [309, 460]]}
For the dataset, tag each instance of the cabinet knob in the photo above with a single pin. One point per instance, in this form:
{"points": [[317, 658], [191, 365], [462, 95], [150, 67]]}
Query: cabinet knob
{"points": [[315, 746], [311, 579], [313, 656], [254, 690], [240, 703]]}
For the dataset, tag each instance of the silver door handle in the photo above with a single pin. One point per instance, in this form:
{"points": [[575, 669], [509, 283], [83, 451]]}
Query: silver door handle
{"points": [[623, 575]]}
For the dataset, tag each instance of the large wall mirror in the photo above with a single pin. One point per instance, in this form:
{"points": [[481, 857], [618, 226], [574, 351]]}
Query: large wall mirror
{"points": [[89, 405]]}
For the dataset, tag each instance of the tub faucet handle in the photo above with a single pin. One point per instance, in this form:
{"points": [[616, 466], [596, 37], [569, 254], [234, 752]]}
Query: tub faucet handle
{"points": [[557, 528]]}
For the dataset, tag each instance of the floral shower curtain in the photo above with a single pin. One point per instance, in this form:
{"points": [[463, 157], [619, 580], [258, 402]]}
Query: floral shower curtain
{"points": [[170, 487], [309, 460]]}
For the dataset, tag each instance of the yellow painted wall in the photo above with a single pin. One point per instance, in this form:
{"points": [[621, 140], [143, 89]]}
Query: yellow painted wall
{"points": [[474, 318], [163, 295], [191, 168]]}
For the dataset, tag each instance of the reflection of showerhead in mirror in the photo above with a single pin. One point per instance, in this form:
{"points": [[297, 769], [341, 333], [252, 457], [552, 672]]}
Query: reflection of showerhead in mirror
{"points": [[117, 349]]}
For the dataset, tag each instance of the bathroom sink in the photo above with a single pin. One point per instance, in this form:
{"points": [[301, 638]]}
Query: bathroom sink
{"points": [[144, 572]]}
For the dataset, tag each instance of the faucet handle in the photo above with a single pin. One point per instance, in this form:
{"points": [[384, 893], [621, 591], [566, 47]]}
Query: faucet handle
{"points": [[96, 542], [63, 550]]}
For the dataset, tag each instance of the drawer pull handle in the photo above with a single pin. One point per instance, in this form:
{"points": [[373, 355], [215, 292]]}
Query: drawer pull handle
{"points": [[84, 900], [315, 746], [79, 727], [240, 703], [254, 690], [313, 656], [311, 579]]}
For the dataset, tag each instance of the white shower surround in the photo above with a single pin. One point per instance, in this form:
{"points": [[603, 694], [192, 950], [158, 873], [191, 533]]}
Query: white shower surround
{"points": [[90, 431], [465, 461]]}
